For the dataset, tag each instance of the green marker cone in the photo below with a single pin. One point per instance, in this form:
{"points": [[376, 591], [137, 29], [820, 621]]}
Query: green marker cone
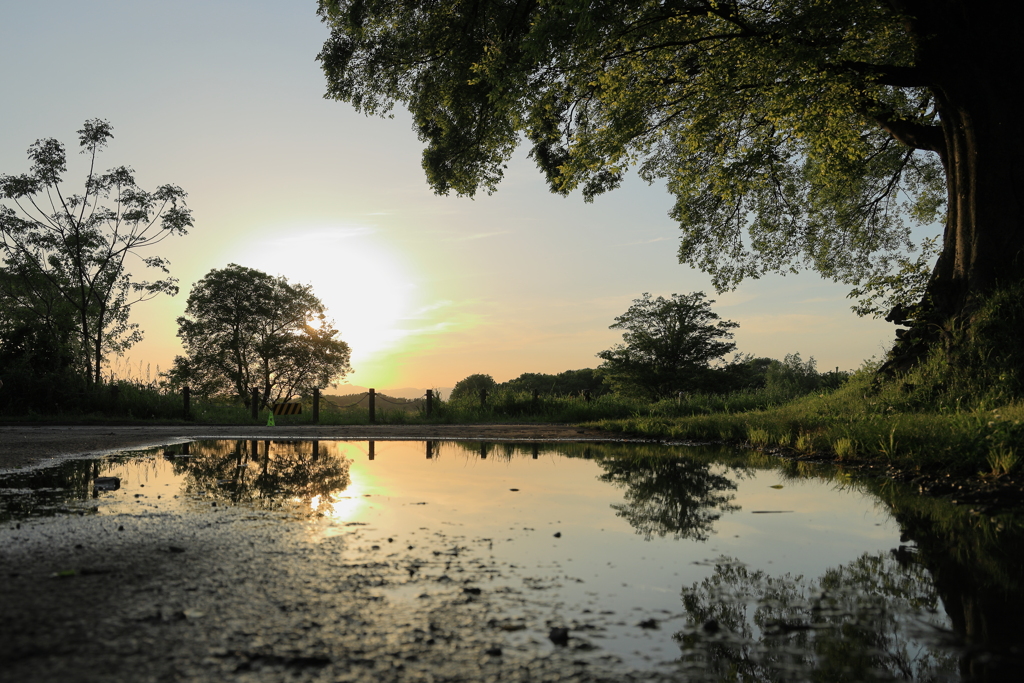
{"points": [[270, 419]]}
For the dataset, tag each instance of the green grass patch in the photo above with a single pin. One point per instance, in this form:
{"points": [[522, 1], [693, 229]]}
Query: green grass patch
{"points": [[860, 421]]}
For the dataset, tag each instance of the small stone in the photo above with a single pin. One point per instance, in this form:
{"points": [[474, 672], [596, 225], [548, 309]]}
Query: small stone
{"points": [[493, 651], [471, 590], [559, 635], [558, 534]]}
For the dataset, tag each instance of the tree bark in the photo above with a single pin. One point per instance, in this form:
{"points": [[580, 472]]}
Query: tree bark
{"points": [[971, 55]]}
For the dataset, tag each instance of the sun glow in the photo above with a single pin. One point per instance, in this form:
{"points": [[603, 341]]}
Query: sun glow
{"points": [[371, 292]]}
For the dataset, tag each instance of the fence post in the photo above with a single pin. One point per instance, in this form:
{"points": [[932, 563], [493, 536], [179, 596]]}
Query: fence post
{"points": [[586, 395], [430, 403], [186, 395], [483, 398], [316, 405], [373, 408], [371, 445], [483, 451], [255, 403], [430, 450]]}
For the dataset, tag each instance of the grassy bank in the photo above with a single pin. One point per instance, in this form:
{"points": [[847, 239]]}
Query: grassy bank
{"points": [[888, 424]]}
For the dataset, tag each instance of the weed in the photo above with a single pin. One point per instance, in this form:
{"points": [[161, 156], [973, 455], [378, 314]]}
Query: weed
{"points": [[804, 443], [1002, 459], [844, 448], [759, 437]]}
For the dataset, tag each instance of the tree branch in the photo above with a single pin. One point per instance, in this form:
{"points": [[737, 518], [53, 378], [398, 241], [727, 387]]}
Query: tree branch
{"points": [[913, 135]]}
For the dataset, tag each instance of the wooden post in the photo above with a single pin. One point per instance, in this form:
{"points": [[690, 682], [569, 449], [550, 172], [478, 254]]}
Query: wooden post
{"points": [[255, 404], [483, 398], [373, 410], [371, 444], [430, 404], [430, 450], [316, 405], [536, 451], [316, 450], [483, 451], [185, 397]]}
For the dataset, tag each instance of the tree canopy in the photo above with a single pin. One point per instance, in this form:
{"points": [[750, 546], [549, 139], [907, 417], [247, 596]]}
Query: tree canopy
{"points": [[793, 133], [245, 329], [68, 254], [668, 345], [471, 386], [564, 383]]}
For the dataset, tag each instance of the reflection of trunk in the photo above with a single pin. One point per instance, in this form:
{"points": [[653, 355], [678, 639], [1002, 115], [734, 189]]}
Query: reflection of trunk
{"points": [[978, 581], [972, 63]]}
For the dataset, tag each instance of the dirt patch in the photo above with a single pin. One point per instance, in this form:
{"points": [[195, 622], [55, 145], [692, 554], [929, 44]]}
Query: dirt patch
{"points": [[27, 446]]}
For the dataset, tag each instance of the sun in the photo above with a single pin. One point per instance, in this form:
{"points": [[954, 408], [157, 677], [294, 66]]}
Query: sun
{"points": [[370, 290]]}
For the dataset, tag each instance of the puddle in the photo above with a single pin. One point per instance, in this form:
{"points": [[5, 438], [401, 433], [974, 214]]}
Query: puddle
{"points": [[705, 563]]}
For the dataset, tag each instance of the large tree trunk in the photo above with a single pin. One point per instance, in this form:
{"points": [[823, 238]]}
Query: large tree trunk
{"points": [[971, 55]]}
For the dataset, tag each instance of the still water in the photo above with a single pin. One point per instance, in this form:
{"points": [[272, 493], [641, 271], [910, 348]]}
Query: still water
{"points": [[712, 563]]}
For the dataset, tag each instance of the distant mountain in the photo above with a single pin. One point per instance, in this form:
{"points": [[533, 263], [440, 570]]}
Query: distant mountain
{"points": [[401, 392]]}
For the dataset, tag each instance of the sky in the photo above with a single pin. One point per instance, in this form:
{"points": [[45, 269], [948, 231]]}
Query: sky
{"points": [[225, 99]]}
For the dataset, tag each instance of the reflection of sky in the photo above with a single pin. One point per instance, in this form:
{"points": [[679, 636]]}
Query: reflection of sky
{"points": [[821, 523], [599, 563]]}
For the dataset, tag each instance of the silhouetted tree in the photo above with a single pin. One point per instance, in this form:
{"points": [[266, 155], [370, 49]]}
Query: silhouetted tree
{"points": [[243, 328], [78, 245], [668, 345], [471, 386]]}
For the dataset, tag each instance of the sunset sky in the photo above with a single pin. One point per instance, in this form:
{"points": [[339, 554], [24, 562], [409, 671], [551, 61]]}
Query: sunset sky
{"points": [[225, 99]]}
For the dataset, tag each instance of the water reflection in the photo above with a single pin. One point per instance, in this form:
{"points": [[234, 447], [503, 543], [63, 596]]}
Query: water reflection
{"points": [[264, 475], [874, 619], [941, 603]]}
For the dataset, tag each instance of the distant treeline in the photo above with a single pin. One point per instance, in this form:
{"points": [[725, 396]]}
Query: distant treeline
{"points": [[791, 376]]}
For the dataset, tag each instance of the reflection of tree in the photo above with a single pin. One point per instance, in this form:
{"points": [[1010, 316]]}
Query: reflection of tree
{"points": [[666, 495], [977, 565], [45, 491], [264, 474], [865, 621]]}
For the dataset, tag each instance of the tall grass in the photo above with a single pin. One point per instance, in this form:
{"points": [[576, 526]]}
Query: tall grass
{"points": [[857, 421]]}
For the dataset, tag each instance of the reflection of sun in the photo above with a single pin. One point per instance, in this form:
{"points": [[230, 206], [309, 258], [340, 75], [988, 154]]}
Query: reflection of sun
{"points": [[367, 289], [345, 505]]}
